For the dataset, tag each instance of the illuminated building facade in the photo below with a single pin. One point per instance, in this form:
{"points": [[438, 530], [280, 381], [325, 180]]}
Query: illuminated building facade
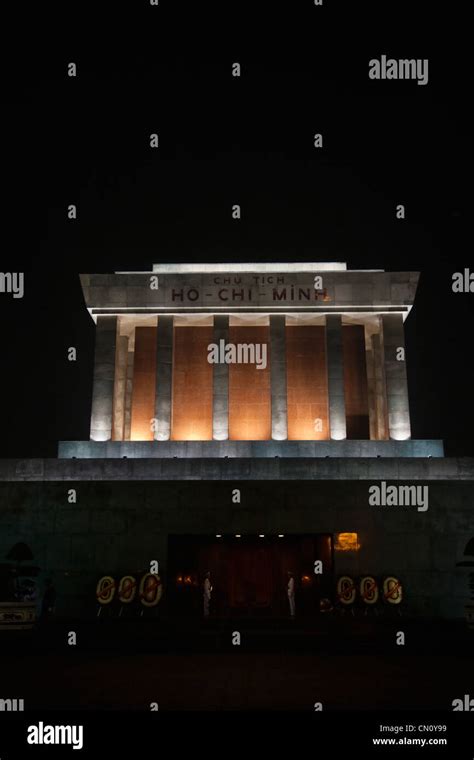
{"points": [[241, 415], [334, 366]]}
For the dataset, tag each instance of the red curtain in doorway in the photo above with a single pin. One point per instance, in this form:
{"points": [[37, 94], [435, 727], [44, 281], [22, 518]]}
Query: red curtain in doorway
{"points": [[252, 575]]}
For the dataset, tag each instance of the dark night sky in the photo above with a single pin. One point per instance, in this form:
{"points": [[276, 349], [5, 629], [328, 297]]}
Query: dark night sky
{"points": [[223, 141]]}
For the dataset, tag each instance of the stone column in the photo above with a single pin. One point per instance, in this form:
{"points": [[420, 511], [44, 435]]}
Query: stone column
{"points": [[127, 428], [371, 394], [380, 390], [121, 355], [164, 377], [278, 377], [104, 372], [396, 377], [220, 397], [337, 404]]}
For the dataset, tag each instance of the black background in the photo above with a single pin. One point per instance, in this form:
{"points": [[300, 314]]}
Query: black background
{"points": [[226, 140]]}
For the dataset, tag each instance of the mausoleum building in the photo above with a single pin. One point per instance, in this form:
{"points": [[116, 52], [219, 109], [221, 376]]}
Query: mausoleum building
{"points": [[242, 418], [334, 380]]}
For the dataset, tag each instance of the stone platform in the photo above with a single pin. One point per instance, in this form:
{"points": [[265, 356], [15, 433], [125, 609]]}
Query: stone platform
{"points": [[257, 468], [249, 449]]}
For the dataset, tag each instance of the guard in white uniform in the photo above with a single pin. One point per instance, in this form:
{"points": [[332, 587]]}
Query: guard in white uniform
{"points": [[291, 594], [207, 593]]}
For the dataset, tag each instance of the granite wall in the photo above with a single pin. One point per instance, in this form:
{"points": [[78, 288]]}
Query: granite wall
{"points": [[118, 527]]}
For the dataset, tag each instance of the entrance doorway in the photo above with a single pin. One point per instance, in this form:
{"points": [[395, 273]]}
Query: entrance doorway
{"points": [[249, 575]]}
